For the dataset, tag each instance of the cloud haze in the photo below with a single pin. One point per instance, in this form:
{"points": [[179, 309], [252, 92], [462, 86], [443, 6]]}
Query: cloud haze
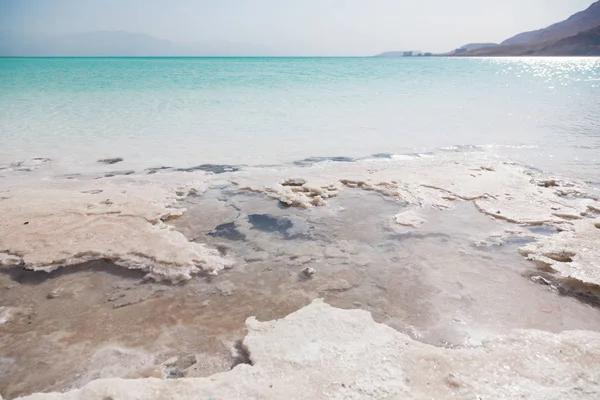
{"points": [[307, 27]]}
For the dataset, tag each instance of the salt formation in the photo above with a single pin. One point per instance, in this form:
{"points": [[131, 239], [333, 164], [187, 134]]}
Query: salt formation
{"points": [[409, 218], [65, 223], [572, 254], [500, 189], [321, 352]]}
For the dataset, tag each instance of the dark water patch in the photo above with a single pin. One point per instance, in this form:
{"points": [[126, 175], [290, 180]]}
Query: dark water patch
{"points": [[118, 173], [543, 230], [381, 155], [154, 170], [315, 160], [111, 160], [267, 223], [29, 277], [512, 240], [227, 231], [516, 240], [214, 168], [420, 236]]}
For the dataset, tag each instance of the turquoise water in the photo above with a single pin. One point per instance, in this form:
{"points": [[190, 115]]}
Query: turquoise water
{"points": [[189, 111]]}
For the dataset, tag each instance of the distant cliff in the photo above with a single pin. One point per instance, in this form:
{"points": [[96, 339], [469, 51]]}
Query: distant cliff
{"points": [[585, 43], [576, 36], [582, 21], [474, 46]]}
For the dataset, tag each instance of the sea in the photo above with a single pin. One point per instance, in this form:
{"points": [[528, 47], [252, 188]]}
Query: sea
{"points": [[151, 206], [179, 112]]}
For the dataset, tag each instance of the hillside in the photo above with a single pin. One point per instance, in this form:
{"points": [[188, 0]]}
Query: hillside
{"points": [[585, 43], [477, 46], [473, 47], [579, 22]]}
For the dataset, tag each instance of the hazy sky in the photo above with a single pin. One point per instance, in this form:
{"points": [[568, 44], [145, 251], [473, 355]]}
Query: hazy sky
{"points": [[303, 27]]}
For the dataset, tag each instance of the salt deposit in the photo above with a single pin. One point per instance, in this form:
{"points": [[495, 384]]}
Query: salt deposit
{"points": [[56, 224], [427, 244], [321, 352], [571, 254], [500, 189]]}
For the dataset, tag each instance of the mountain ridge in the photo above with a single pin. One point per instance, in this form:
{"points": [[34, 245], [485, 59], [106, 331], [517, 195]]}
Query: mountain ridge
{"points": [[575, 36], [578, 22]]}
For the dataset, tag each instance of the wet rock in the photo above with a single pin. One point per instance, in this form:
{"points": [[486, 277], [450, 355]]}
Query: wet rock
{"points": [[259, 256], [338, 285], [240, 354], [541, 280], [118, 173], [214, 168], [409, 218], [293, 182], [333, 252], [308, 272], [225, 288], [301, 260], [154, 170], [548, 183], [6, 313], [55, 293], [314, 160], [177, 369], [150, 372], [132, 295], [174, 373], [111, 160]]}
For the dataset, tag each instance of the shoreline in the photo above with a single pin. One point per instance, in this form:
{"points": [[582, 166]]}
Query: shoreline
{"points": [[434, 246]]}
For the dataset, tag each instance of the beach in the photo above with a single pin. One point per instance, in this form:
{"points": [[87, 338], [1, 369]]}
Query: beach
{"points": [[404, 250]]}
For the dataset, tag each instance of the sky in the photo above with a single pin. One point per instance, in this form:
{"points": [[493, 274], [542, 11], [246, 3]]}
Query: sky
{"points": [[295, 27]]}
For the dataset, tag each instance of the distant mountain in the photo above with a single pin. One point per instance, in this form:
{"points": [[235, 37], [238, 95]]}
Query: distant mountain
{"points": [[582, 21], [585, 43], [474, 46], [119, 44], [576, 36]]}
